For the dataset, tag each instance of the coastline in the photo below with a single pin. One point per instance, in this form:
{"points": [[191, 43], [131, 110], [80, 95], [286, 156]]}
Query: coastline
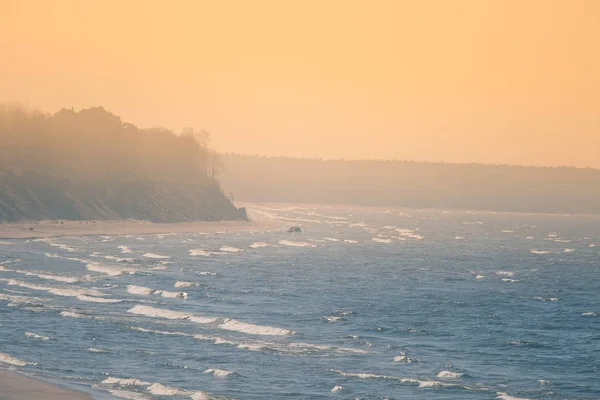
{"points": [[15, 386], [42, 229]]}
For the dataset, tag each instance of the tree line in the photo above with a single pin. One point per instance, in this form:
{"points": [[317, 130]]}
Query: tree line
{"points": [[96, 145]]}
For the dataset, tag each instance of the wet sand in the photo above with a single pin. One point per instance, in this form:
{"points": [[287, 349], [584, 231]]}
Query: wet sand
{"points": [[19, 387], [38, 229]]}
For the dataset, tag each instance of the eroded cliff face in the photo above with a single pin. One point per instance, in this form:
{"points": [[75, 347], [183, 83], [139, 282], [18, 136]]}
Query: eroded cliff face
{"points": [[34, 196]]}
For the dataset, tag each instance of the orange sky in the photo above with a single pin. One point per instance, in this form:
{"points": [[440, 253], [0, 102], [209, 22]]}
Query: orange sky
{"points": [[495, 81]]}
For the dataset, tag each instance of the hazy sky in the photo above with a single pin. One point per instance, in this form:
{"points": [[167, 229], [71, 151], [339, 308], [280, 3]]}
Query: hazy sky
{"points": [[501, 81]]}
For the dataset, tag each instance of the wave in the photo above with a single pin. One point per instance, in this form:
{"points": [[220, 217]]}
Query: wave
{"points": [[404, 358], [145, 291], [480, 277], [199, 252], [57, 278], [157, 256], [128, 395], [36, 336], [336, 388], [351, 241], [534, 251], [219, 373], [422, 383], [259, 345], [72, 314], [65, 247], [110, 270], [80, 294], [8, 359], [510, 280], [258, 245], [569, 250], [125, 382], [505, 273], [409, 233], [94, 350], [380, 240], [590, 314], [330, 239], [244, 327], [505, 396], [5, 243], [169, 314], [183, 284], [229, 249], [546, 299], [294, 243], [124, 249], [449, 375]]}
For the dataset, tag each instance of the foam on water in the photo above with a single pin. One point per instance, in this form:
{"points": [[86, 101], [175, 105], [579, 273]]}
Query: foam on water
{"points": [[229, 249], [8, 359], [449, 375], [57, 278], [336, 388], [127, 395], [294, 243], [505, 396], [535, 251], [110, 270], [158, 256], [95, 350], [72, 314], [199, 252], [161, 390], [239, 326], [183, 284], [480, 277], [409, 233], [422, 383], [330, 239], [505, 273], [146, 291], [569, 250], [219, 373], [36, 336], [169, 314], [124, 249], [350, 241], [380, 240], [258, 245]]}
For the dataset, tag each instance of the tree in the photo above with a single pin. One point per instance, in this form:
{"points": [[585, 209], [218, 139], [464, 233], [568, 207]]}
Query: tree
{"points": [[215, 165]]}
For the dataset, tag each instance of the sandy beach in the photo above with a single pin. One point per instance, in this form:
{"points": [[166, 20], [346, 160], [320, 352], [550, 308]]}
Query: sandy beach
{"points": [[38, 229], [19, 387]]}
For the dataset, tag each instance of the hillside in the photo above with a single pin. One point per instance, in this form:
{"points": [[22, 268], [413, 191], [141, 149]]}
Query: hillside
{"points": [[413, 184], [89, 165]]}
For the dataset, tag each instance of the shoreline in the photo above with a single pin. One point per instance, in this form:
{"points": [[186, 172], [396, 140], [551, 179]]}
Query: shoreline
{"points": [[43, 229], [16, 386]]}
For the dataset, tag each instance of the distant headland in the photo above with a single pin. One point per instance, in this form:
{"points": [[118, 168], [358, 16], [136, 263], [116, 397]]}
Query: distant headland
{"points": [[90, 165]]}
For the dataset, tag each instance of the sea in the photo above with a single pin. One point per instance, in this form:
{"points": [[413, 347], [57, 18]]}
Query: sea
{"points": [[363, 303]]}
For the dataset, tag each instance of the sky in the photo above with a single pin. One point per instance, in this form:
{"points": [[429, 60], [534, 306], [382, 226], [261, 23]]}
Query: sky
{"points": [[489, 81]]}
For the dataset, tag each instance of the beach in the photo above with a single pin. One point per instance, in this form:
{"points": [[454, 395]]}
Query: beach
{"points": [[19, 387], [40, 229]]}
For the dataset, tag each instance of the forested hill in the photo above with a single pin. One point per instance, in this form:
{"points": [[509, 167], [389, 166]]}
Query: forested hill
{"points": [[91, 165], [413, 184]]}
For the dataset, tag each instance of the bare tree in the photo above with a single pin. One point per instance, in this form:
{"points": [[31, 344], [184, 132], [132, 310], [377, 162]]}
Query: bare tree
{"points": [[215, 165]]}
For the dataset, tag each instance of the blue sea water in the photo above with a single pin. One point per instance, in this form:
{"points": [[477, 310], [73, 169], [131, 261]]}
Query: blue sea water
{"points": [[364, 303]]}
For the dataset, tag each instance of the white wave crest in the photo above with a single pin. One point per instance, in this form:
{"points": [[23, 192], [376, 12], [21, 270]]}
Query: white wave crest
{"points": [[183, 284], [409, 233], [8, 359], [449, 375], [294, 243], [380, 240], [239, 326], [336, 388], [145, 291], [80, 294], [229, 249], [124, 249], [534, 251], [258, 245], [169, 314], [36, 336], [505, 273], [128, 395], [161, 390], [125, 382], [94, 350], [350, 241], [420, 382], [219, 373], [590, 314], [510, 280], [505, 396], [569, 250], [152, 255], [109, 270], [480, 277], [199, 252]]}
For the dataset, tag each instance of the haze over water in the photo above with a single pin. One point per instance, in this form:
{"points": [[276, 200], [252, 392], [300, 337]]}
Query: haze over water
{"points": [[366, 303]]}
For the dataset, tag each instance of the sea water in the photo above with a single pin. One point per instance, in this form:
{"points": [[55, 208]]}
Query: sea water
{"points": [[364, 303]]}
